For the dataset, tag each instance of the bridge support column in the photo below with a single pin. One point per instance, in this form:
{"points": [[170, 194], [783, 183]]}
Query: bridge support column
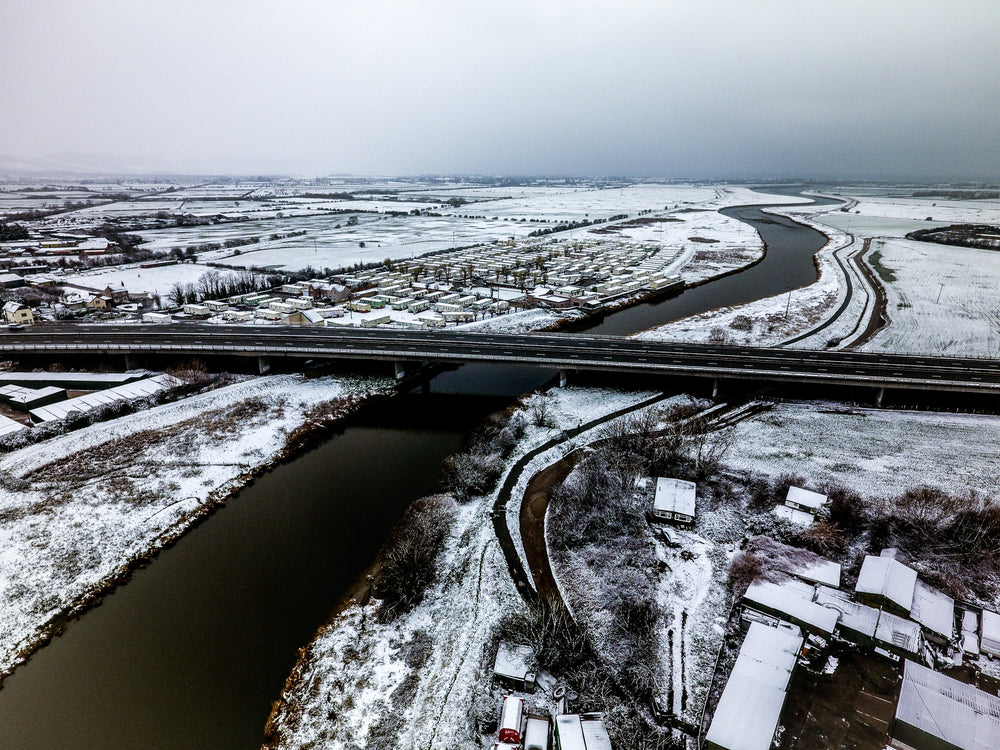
{"points": [[878, 396], [400, 369], [263, 365], [563, 378], [132, 362], [715, 388]]}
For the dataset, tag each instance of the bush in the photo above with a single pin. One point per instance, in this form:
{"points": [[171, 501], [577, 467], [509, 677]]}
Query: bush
{"points": [[783, 482], [847, 509], [408, 561]]}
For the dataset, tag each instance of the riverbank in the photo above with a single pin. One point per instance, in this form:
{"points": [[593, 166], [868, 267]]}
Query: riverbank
{"points": [[81, 512]]}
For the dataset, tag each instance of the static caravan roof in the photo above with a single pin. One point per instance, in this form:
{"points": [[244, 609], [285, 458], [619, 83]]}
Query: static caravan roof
{"points": [[952, 711], [138, 389], [569, 732], [675, 496], [594, 733], [794, 602], [805, 498], [933, 609], [889, 578], [854, 616], [751, 703], [8, 426]]}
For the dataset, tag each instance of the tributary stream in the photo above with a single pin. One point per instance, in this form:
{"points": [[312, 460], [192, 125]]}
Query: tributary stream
{"points": [[191, 652]]}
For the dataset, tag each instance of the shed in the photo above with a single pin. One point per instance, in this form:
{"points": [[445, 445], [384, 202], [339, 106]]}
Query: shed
{"points": [[990, 643], [886, 582], [513, 666], [898, 634], [751, 703], [536, 732], [806, 500], [936, 712], [792, 601], [857, 621], [935, 611], [674, 501], [817, 570]]}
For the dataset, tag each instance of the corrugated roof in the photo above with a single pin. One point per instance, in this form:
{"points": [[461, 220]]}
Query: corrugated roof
{"points": [[886, 577], [125, 392], [957, 713], [675, 496], [933, 609]]}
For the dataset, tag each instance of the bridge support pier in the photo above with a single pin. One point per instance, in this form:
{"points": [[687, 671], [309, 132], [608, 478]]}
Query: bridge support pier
{"points": [[563, 378], [878, 396], [715, 388], [400, 369], [263, 365], [132, 362]]}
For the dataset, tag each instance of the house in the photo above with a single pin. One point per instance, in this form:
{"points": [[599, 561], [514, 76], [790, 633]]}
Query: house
{"points": [[512, 666], [750, 707], [674, 500], [936, 712], [98, 302], [17, 313], [885, 582]]}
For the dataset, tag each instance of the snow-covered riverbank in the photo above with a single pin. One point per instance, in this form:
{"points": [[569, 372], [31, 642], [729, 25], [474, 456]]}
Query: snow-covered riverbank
{"points": [[78, 512]]}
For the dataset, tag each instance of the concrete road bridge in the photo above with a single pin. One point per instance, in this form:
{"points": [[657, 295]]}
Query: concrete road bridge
{"points": [[565, 352]]}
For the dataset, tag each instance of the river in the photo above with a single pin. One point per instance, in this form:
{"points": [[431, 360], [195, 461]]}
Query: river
{"points": [[191, 652]]}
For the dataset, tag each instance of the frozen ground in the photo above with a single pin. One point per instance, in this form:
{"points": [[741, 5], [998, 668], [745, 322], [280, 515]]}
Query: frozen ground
{"points": [[159, 280], [941, 299], [879, 453], [78, 510]]}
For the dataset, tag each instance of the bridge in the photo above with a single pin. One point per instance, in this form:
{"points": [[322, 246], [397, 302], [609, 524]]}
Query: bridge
{"points": [[560, 351]]}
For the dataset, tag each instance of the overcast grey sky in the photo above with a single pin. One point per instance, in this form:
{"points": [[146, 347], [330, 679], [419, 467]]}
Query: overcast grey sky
{"points": [[724, 88]]}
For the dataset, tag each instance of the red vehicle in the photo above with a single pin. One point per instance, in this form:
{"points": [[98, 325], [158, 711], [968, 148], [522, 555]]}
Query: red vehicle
{"points": [[510, 720]]}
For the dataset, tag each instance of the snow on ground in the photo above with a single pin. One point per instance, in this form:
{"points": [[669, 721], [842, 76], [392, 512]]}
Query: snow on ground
{"points": [[76, 511], [919, 210], [431, 706], [879, 453], [158, 280], [769, 321], [941, 299]]}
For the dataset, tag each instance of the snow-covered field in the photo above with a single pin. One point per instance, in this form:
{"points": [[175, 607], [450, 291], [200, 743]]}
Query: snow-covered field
{"points": [[879, 453], [158, 280], [941, 299], [78, 510]]}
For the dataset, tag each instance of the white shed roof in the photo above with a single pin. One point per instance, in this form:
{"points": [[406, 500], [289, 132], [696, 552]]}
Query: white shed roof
{"points": [[793, 601], [675, 496], [513, 660], [991, 632], [889, 578], [933, 609], [805, 498], [8, 426], [818, 570], [854, 616], [751, 702], [959, 714], [899, 632]]}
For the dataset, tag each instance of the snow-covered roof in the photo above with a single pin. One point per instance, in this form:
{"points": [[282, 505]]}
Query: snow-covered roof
{"points": [[801, 517], [794, 600], [594, 733], [805, 498], [898, 632], [889, 578], [751, 702], [991, 632], [970, 622], [819, 570], [22, 396], [128, 391], [854, 616], [674, 496], [933, 609], [961, 715], [513, 660], [13, 306], [8, 426]]}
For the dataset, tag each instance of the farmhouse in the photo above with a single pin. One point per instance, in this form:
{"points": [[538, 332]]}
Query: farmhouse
{"points": [[674, 500], [936, 712], [17, 313]]}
